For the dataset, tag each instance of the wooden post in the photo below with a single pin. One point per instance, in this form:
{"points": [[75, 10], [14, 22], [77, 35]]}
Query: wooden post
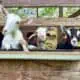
{"points": [[37, 13], [60, 15], [61, 11]]}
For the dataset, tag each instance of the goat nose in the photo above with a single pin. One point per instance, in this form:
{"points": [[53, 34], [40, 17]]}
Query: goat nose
{"points": [[74, 41]]}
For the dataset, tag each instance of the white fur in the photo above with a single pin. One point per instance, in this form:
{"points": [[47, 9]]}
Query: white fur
{"points": [[74, 41], [41, 33], [13, 36]]}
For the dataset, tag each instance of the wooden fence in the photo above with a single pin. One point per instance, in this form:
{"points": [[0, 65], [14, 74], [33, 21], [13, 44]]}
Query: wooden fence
{"points": [[40, 3]]}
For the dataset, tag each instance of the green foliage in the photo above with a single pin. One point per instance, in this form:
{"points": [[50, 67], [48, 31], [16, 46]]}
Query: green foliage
{"points": [[43, 12], [47, 11], [13, 10], [23, 12], [69, 11]]}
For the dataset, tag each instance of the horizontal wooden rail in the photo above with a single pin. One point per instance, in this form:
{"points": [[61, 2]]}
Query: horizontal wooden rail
{"points": [[19, 55], [54, 22], [51, 22], [40, 3]]}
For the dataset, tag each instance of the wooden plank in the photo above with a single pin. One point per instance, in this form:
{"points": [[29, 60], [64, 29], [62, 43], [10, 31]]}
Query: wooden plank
{"points": [[40, 3], [51, 22], [19, 55], [54, 22]]}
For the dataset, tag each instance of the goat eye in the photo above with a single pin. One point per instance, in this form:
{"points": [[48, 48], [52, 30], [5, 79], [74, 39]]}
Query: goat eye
{"points": [[17, 22]]}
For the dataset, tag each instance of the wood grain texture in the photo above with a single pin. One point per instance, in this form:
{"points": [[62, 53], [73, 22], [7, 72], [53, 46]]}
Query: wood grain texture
{"points": [[51, 22], [39, 70], [40, 3]]}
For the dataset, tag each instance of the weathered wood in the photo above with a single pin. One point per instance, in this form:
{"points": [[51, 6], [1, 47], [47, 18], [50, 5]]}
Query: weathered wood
{"points": [[54, 22], [41, 3], [40, 55], [51, 22], [59, 31], [60, 11], [39, 70]]}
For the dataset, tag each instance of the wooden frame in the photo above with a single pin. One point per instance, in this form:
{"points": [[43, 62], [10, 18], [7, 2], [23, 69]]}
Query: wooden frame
{"points": [[47, 55], [20, 55], [56, 55]]}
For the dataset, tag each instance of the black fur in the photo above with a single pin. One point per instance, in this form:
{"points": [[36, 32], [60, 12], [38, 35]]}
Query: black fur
{"points": [[66, 44]]}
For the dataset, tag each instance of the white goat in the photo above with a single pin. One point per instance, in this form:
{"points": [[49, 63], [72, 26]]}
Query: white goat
{"points": [[12, 34], [41, 33]]}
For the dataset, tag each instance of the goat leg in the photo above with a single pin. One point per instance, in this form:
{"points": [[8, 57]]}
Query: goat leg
{"points": [[24, 45]]}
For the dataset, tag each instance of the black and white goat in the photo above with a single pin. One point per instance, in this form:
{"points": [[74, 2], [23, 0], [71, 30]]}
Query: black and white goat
{"points": [[72, 35]]}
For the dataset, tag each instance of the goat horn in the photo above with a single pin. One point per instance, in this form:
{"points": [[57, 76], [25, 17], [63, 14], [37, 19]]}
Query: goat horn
{"points": [[62, 28], [3, 10]]}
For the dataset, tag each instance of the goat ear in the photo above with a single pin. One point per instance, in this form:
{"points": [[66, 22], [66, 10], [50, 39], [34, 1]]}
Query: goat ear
{"points": [[62, 28], [68, 32]]}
